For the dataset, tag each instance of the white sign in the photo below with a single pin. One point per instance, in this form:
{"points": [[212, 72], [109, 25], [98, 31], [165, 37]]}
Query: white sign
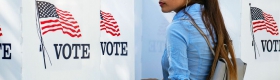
{"points": [[10, 40], [260, 50], [61, 40], [117, 40]]}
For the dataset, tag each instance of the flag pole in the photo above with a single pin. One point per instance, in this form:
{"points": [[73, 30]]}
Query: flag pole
{"points": [[253, 42], [42, 46]]}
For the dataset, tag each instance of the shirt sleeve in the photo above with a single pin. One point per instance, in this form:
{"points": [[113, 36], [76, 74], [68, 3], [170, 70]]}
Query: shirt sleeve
{"points": [[177, 42]]}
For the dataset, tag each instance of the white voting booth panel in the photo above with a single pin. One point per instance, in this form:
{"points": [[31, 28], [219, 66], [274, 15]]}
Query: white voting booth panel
{"points": [[115, 40], [10, 40], [264, 64], [60, 40]]}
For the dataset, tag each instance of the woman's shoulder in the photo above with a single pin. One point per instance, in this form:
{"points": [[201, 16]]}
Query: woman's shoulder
{"points": [[185, 24], [184, 27], [178, 25]]}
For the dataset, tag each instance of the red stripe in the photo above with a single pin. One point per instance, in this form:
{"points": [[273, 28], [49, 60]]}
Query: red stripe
{"points": [[72, 35], [114, 22], [114, 30], [79, 35], [1, 32], [109, 30], [51, 30], [66, 18], [72, 30], [116, 34], [64, 32], [109, 27], [69, 25], [274, 29], [107, 23], [51, 26], [103, 29], [62, 10], [271, 25], [257, 22], [73, 22], [48, 21], [57, 25], [273, 33], [255, 30], [258, 26], [64, 14], [102, 25]]}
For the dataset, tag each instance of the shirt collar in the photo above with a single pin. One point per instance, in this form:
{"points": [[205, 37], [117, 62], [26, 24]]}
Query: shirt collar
{"points": [[190, 9]]}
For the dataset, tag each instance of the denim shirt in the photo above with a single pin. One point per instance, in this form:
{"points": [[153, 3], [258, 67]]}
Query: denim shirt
{"points": [[187, 55]]}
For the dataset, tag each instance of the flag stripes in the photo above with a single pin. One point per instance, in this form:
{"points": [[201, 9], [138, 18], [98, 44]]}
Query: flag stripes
{"points": [[53, 19], [1, 34], [263, 21], [109, 24]]}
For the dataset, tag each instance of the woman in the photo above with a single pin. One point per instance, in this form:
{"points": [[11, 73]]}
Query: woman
{"points": [[186, 55]]}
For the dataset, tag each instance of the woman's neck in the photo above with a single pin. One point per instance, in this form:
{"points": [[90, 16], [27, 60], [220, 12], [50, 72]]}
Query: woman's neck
{"points": [[179, 9]]}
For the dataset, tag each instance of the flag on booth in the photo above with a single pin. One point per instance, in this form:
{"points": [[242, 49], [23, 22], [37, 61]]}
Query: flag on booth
{"points": [[263, 21], [53, 19], [1, 32], [109, 24]]}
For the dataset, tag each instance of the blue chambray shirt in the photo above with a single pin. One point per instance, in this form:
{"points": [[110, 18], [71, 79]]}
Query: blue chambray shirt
{"points": [[187, 55]]}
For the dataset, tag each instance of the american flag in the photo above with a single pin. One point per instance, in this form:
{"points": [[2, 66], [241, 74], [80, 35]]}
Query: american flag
{"points": [[263, 21], [53, 19], [1, 32], [109, 24]]}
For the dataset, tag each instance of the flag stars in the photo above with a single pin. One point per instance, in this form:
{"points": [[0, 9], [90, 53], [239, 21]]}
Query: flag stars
{"points": [[46, 9]]}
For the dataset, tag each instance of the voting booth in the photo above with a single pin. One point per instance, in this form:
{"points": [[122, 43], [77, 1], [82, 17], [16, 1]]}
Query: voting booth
{"points": [[120, 40]]}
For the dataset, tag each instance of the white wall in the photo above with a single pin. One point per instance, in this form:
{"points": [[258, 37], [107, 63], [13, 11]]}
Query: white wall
{"points": [[119, 67], [266, 65], [138, 5], [154, 23], [10, 24], [231, 10], [87, 14]]}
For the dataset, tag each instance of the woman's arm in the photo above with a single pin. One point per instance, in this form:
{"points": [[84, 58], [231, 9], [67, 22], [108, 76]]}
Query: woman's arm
{"points": [[177, 52]]}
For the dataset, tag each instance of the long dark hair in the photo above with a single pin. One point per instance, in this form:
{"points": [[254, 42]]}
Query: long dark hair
{"points": [[213, 20]]}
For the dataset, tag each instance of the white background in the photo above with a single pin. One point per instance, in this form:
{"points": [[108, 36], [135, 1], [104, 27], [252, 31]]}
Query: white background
{"points": [[86, 12], [119, 67], [266, 66], [10, 23]]}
